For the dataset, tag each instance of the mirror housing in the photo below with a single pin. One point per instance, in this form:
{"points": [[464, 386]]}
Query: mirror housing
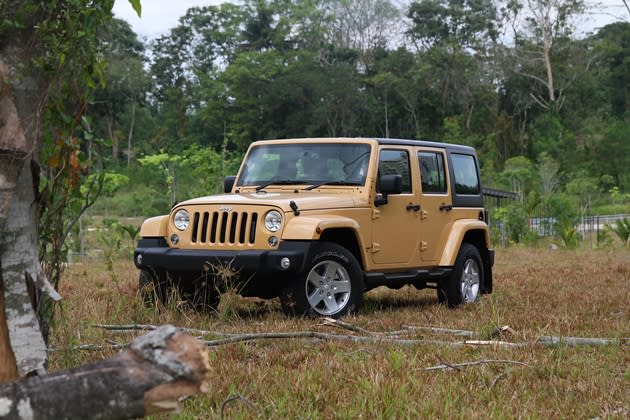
{"points": [[228, 183], [388, 184]]}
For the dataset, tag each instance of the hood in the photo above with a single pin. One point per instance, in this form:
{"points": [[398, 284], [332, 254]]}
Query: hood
{"points": [[305, 200]]}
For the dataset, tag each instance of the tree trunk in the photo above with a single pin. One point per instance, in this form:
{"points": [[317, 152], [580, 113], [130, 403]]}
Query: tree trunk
{"points": [[148, 377], [20, 113], [132, 123], [8, 365]]}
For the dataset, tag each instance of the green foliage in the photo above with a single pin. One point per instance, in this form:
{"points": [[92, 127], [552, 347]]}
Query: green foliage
{"points": [[197, 171], [613, 150], [136, 6], [230, 74], [111, 183], [519, 174], [514, 221], [569, 236], [621, 228]]}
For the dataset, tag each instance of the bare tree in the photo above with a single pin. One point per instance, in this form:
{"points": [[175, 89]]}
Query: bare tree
{"points": [[540, 31]]}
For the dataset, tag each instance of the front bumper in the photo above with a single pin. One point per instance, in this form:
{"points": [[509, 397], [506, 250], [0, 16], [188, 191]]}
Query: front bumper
{"points": [[154, 253]]}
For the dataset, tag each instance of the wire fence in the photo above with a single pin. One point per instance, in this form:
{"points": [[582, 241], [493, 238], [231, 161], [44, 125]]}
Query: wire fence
{"points": [[545, 226], [588, 227]]}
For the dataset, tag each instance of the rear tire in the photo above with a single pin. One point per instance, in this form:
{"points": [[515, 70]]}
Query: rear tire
{"points": [[465, 282], [331, 284]]}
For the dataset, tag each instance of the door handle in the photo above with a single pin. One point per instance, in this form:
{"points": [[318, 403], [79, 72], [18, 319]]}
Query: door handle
{"points": [[414, 207], [446, 207]]}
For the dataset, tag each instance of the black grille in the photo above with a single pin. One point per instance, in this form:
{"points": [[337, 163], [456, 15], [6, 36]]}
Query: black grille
{"points": [[224, 227]]}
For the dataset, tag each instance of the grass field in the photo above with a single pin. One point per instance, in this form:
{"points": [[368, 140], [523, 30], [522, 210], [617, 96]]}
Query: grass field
{"points": [[538, 292]]}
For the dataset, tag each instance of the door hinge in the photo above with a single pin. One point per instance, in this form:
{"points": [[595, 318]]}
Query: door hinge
{"points": [[423, 246], [376, 247]]}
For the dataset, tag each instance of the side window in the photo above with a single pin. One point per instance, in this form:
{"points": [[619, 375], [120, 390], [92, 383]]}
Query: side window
{"points": [[432, 172], [393, 162], [465, 171]]}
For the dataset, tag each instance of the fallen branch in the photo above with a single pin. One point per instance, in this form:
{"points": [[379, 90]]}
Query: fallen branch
{"points": [[368, 336], [147, 377], [151, 327], [238, 397], [436, 330], [494, 343], [550, 341], [338, 323], [126, 327], [329, 337], [457, 366]]}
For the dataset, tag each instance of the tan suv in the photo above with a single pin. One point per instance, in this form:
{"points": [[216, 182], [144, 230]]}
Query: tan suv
{"points": [[318, 222]]}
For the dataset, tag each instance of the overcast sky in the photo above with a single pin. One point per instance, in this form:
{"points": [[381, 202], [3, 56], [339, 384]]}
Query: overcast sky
{"points": [[159, 16]]}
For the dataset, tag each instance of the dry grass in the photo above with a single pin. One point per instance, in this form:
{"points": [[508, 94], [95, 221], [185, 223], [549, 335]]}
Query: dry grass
{"points": [[537, 292]]}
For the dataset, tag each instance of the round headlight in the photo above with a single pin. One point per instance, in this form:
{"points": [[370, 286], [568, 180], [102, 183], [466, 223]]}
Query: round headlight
{"points": [[181, 219], [273, 220]]}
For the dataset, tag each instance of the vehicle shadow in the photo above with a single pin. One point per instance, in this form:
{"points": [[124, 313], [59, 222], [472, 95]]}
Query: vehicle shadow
{"points": [[384, 299], [378, 300]]}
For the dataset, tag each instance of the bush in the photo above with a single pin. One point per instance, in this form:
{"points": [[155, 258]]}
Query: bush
{"points": [[622, 229], [515, 221]]}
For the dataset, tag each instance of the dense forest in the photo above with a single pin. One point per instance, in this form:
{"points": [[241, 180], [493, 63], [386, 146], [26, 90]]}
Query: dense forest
{"points": [[546, 106]]}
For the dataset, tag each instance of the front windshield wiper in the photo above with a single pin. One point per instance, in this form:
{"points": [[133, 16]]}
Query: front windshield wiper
{"points": [[280, 182], [312, 187]]}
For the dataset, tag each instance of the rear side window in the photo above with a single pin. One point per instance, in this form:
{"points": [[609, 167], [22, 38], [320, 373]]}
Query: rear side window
{"points": [[465, 172], [432, 172], [392, 162]]}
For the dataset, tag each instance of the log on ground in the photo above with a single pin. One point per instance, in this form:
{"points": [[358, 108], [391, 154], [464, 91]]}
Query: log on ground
{"points": [[147, 377]]}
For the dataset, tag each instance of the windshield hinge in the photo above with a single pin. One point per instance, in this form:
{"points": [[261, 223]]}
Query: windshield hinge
{"points": [[294, 207]]}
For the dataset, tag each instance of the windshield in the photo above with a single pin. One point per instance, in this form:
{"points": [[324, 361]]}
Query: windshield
{"points": [[306, 163]]}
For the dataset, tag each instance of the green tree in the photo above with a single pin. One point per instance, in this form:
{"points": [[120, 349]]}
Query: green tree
{"points": [[519, 173], [460, 24], [613, 47], [613, 150], [115, 105]]}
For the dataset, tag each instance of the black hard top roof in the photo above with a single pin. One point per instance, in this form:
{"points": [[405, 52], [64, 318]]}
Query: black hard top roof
{"points": [[457, 148], [429, 143]]}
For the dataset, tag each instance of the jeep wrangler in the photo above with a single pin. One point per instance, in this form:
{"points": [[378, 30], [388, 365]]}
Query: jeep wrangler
{"points": [[318, 222]]}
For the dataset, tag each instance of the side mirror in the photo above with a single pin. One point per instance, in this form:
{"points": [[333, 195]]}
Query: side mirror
{"points": [[228, 183], [388, 184]]}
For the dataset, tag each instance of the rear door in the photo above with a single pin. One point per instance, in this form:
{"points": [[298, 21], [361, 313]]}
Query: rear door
{"points": [[435, 201]]}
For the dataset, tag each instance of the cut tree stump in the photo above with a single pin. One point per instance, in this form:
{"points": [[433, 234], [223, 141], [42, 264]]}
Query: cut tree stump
{"points": [[148, 377]]}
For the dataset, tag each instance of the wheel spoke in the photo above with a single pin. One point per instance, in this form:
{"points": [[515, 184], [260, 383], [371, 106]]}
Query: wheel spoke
{"points": [[315, 298], [314, 279], [331, 271], [331, 304], [341, 286]]}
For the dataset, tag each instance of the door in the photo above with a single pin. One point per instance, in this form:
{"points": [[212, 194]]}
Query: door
{"points": [[395, 224], [436, 202]]}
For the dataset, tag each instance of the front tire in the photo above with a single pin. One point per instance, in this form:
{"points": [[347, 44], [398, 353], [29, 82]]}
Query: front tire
{"points": [[153, 287], [331, 284], [464, 284], [199, 291]]}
